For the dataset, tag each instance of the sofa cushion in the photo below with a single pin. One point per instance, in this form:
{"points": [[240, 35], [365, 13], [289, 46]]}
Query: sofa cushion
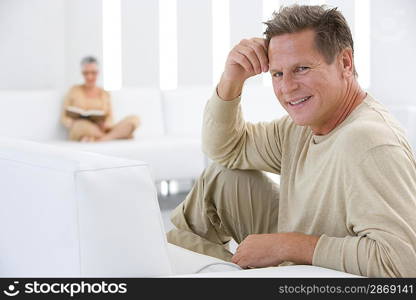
{"points": [[260, 104], [32, 114], [168, 157], [184, 108], [144, 102], [188, 262], [276, 272]]}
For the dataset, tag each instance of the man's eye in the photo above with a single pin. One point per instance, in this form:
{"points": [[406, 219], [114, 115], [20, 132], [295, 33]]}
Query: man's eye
{"points": [[278, 74], [301, 69]]}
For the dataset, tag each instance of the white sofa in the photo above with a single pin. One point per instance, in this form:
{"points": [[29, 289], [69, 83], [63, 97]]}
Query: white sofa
{"points": [[171, 152], [68, 213]]}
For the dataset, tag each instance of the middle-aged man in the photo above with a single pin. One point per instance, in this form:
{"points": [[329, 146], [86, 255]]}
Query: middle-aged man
{"points": [[347, 195]]}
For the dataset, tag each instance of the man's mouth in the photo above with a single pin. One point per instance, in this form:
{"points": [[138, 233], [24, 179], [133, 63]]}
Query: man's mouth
{"points": [[299, 101]]}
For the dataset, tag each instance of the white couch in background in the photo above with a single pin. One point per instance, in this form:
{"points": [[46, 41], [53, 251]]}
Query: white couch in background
{"points": [[34, 115], [170, 156], [168, 139]]}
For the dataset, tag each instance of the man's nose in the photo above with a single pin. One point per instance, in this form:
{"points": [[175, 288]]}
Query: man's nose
{"points": [[288, 84]]}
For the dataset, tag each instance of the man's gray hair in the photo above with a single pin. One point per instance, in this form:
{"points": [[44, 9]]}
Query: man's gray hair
{"points": [[89, 60]]}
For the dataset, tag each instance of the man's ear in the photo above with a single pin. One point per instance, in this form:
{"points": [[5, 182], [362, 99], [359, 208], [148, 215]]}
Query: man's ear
{"points": [[346, 61]]}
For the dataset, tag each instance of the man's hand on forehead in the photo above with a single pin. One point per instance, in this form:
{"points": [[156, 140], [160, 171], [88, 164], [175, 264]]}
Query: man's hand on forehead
{"points": [[246, 59], [249, 57]]}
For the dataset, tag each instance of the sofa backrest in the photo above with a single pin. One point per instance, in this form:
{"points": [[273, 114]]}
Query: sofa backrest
{"points": [[184, 107], [31, 114], [259, 104], [406, 115], [183, 110], [35, 114], [143, 102]]}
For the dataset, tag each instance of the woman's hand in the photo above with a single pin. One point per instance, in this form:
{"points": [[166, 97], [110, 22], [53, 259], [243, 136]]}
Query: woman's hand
{"points": [[69, 122], [104, 125]]}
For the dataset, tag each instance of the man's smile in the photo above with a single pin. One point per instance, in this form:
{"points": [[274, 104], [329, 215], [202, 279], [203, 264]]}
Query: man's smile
{"points": [[299, 102]]}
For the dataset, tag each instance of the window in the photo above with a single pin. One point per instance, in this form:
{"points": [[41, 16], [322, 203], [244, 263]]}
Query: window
{"points": [[112, 45], [168, 44], [220, 37], [362, 41]]}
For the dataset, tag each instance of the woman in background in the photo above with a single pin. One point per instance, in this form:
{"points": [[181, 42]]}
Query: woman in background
{"points": [[90, 97]]}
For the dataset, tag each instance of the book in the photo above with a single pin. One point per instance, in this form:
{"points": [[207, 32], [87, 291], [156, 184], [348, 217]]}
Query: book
{"points": [[91, 114]]}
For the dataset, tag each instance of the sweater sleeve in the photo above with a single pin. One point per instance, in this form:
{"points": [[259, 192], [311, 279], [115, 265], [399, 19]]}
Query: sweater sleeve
{"points": [[236, 144], [381, 218]]}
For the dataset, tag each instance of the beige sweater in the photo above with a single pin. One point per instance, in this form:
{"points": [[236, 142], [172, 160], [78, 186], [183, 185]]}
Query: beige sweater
{"points": [[354, 187]]}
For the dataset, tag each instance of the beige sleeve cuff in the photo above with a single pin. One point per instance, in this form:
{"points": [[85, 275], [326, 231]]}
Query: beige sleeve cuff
{"points": [[338, 254], [222, 111]]}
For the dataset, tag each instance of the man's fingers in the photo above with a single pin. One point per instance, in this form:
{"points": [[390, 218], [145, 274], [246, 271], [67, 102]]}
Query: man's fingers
{"points": [[260, 41], [251, 55], [242, 263], [261, 50], [259, 47], [235, 259], [246, 59], [243, 61], [241, 259]]}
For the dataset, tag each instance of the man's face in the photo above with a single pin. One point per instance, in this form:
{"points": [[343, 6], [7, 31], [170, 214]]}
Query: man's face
{"points": [[307, 87]]}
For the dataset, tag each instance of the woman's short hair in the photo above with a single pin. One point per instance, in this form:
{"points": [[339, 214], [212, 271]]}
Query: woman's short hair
{"points": [[89, 60]]}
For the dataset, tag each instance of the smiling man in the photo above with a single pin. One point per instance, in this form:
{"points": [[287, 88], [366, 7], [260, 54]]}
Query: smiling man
{"points": [[347, 194]]}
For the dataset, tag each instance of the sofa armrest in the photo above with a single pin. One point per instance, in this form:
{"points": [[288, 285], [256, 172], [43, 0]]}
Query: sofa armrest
{"points": [[189, 263], [68, 213], [301, 271]]}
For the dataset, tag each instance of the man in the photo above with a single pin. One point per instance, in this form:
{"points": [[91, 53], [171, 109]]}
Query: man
{"points": [[347, 195]]}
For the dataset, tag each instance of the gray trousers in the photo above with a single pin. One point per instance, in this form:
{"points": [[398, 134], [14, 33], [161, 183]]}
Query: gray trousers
{"points": [[225, 204]]}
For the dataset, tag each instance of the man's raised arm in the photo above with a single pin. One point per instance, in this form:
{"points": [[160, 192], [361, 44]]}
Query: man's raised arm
{"points": [[226, 138]]}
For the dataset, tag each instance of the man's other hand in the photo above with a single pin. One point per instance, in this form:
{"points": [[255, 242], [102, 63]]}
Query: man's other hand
{"points": [[266, 250]]}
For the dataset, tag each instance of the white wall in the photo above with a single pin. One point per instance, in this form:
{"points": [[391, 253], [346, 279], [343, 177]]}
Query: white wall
{"points": [[393, 50], [140, 45], [83, 35], [32, 44], [42, 41], [245, 20], [194, 42]]}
